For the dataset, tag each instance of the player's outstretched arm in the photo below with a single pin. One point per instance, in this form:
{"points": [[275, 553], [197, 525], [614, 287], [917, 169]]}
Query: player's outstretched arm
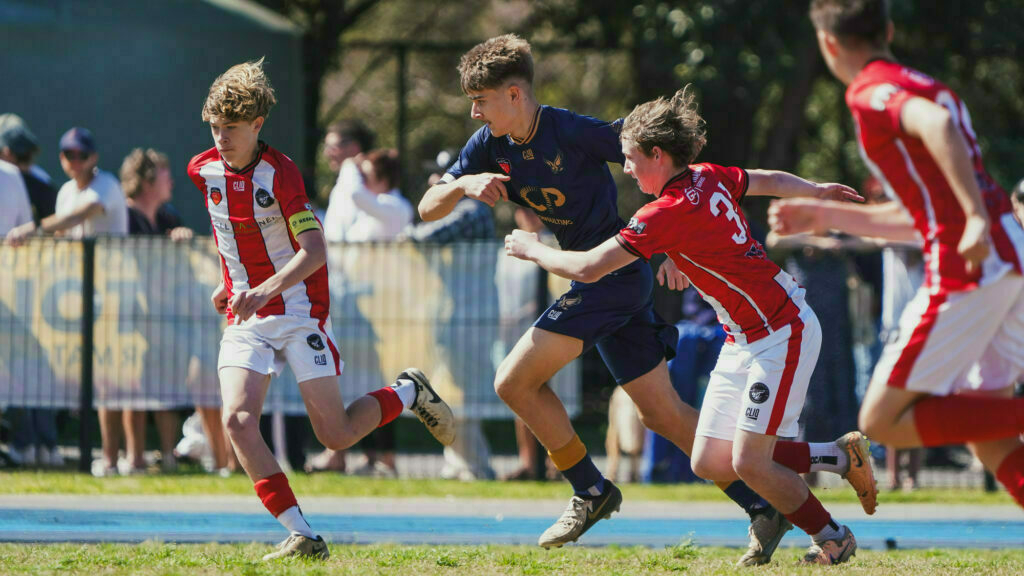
{"points": [[799, 215], [311, 256], [441, 198], [938, 131], [588, 266], [785, 185]]}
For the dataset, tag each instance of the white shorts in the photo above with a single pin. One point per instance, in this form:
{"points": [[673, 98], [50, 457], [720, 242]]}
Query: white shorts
{"points": [[264, 344], [957, 341], [760, 387]]}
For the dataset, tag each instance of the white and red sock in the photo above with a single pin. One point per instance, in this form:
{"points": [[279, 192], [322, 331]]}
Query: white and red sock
{"points": [[278, 498]]}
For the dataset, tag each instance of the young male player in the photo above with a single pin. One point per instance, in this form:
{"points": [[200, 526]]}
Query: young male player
{"points": [[273, 253], [949, 376], [757, 388], [555, 162]]}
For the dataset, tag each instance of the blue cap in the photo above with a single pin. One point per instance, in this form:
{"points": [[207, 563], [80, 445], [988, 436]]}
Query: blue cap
{"points": [[78, 139]]}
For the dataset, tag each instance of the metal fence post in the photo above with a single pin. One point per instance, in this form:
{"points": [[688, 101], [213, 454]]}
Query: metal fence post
{"points": [[85, 408]]}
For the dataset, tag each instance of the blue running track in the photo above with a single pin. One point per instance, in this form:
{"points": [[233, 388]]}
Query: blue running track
{"points": [[47, 525]]}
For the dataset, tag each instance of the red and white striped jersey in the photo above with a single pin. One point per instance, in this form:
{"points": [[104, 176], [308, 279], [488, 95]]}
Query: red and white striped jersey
{"points": [[912, 177], [697, 221], [256, 213]]}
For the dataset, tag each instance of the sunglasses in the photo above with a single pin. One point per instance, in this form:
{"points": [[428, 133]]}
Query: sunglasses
{"points": [[74, 155]]}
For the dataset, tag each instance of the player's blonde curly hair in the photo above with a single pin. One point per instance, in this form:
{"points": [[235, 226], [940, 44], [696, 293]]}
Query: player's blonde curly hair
{"points": [[674, 125], [493, 62], [243, 93], [141, 166]]}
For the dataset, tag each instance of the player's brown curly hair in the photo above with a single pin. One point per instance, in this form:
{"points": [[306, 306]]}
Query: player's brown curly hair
{"points": [[140, 166], [853, 21], [674, 125], [493, 62], [243, 93]]}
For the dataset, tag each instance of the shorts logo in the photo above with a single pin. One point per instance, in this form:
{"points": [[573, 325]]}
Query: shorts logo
{"points": [[752, 413], [505, 165], [320, 359], [759, 393], [315, 342], [636, 225], [263, 198], [554, 314], [215, 195], [566, 301], [238, 186]]}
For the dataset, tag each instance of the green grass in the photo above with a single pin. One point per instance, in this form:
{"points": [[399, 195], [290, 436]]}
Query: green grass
{"points": [[38, 482], [152, 558]]}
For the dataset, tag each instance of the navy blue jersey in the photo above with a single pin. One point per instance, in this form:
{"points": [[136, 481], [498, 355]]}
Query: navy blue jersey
{"points": [[560, 171]]}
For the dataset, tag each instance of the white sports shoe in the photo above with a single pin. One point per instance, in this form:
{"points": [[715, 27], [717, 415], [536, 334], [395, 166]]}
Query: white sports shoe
{"points": [[430, 408]]}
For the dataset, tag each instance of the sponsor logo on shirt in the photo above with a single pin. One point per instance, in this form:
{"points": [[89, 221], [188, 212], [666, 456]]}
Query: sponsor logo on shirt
{"points": [[215, 195], [263, 198], [554, 314], [238, 186], [528, 154], [267, 221], [759, 393], [245, 227], [636, 225], [303, 221], [505, 165], [315, 342], [881, 95]]}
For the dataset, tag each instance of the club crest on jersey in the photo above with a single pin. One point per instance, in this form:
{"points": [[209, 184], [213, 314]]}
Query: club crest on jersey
{"points": [[506, 166], [567, 301], [636, 225], [238, 186], [315, 342], [263, 198], [528, 154], [556, 164], [756, 251], [215, 195], [693, 195], [759, 393]]}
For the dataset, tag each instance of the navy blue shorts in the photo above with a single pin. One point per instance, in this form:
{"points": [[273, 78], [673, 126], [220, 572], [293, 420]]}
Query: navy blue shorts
{"points": [[616, 314]]}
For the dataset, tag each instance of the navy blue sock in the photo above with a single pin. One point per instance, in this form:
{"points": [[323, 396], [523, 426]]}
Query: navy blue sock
{"points": [[741, 494], [585, 478]]}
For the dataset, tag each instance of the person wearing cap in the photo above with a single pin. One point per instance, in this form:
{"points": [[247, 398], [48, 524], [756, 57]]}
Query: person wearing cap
{"points": [[16, 210], [90, 203], [18, 145]]}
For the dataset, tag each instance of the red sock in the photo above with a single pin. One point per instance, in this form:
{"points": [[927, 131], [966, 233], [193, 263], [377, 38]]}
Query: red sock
{"points": [[390, 404], [1011, 474], [276, 494], [811, 516], [958, 419], [793, 455]]}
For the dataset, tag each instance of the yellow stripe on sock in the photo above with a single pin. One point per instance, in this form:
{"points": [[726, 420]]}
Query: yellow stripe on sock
{"points": [[569, 455]]}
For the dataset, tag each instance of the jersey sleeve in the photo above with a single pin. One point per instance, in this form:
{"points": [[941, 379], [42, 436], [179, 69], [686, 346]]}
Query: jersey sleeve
{"points": [[598, 138], [736, 180], [295, 206], [473, 158], [878, 106], [652, 230]]}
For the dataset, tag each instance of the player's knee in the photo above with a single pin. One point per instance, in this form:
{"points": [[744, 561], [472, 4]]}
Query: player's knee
{"points": [[873, 426], [706, 466], [505, 388], [657, 421], [239, 423]]}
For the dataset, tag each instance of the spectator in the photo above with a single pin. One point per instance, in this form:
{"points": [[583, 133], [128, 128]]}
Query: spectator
{"points": [[146, 180], [381, 212], [89, 204], [344, 140], [17, 211], [8, 121], [469, 457], [19, 147], [1017, 197]]}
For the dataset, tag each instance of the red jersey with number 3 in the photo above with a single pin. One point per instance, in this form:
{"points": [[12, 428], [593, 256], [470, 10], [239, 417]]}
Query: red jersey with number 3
{"points": [[256, 213], [697, 222], [912, 177]]}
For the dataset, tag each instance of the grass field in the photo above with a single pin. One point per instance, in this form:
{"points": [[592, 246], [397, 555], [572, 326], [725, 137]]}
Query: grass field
{"points": [[35, 482], [155, 558]]}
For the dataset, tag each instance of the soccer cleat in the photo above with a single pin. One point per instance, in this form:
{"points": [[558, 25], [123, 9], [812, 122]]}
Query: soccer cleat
{"points": [[859, 472], [766, 531], [299, 545], [832, 551], [580, 515], [430, 408]]}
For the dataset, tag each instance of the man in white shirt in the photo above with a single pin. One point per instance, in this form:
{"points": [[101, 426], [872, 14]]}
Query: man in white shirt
{"points": [[15, 209], [91, 203], [344, 140], [381, 210]]}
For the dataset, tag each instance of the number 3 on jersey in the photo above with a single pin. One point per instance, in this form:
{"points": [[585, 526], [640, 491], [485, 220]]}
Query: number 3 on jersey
{"points": [[718, 200]]}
